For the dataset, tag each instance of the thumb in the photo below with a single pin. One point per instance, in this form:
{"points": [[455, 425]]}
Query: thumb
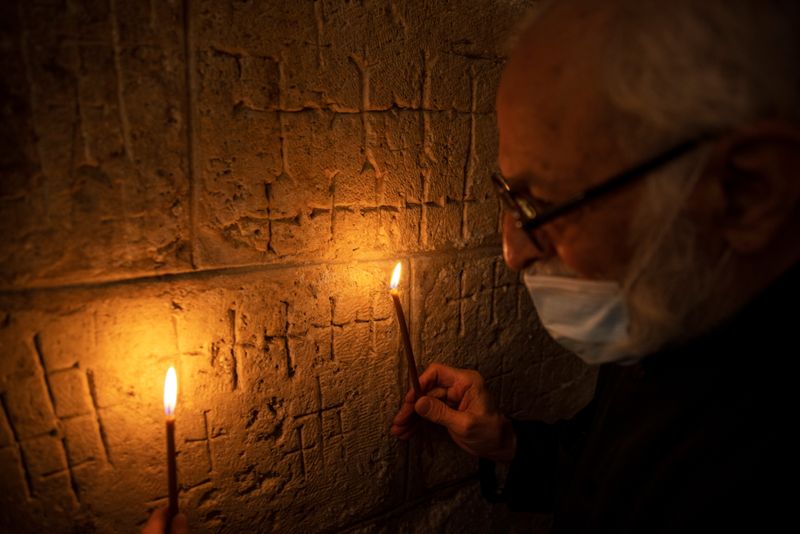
{"points": [[157, 522], [180, 525], [438, 412]]}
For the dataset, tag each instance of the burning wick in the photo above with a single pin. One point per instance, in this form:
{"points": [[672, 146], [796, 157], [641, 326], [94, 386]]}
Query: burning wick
{"points": [[401, 318], [170, 396]]}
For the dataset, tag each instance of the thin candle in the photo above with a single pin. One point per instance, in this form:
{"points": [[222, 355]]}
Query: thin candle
{"points": [[401, 319], [170, 397]]}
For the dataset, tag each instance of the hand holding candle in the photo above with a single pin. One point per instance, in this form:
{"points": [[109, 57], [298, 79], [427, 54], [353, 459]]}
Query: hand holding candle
{"points": [[170, 397], [401, 319]]}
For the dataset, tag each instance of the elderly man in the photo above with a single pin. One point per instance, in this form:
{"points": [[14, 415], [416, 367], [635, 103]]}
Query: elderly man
{"points": [[650, 159]]}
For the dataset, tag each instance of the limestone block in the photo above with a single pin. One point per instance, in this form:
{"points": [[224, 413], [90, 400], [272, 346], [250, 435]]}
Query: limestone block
{"points": [[324, 162], [57, 491], [482, 222], [395, 73], [6, 433], [399, 230], [29, 408], [14, 490], [65, 340], [17, 347], [450, 81], [193, 464], [449, 142], [70, 393], [44, 455], [396, 145], [444, 225], [82, 439], [109, 126], [355, 229]]}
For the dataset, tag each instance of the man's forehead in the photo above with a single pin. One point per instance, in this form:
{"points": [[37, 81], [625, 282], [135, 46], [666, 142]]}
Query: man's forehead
{"points": [[557, 57], [549, 108]]}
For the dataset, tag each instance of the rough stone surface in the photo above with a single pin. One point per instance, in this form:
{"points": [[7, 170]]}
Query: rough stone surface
{"points": [[97, 179], [225, 187]]}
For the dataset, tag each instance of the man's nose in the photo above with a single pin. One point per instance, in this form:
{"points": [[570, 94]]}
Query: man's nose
{"points": [[519, 251]]}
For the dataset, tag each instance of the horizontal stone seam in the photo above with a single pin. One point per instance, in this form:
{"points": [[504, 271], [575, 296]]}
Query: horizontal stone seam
{"points": [[189, 275], [241, 105]]}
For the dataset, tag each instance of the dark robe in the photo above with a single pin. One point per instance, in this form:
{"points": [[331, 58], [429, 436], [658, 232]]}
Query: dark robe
{"points": [[695, 438]]}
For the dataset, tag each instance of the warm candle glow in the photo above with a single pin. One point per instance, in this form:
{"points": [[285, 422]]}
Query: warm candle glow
{"points": [[170, 392], [401, 320], [396, 276]]}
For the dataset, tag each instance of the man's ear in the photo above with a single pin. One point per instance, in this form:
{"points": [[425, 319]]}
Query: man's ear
{"points": [[758, 182]]}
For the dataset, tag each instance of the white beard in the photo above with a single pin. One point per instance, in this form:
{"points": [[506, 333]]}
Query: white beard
{"points": [[668, 283], [671, 277]]}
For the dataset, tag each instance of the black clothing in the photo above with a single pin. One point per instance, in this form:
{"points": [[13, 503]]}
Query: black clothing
{"points": [[693, 438]]}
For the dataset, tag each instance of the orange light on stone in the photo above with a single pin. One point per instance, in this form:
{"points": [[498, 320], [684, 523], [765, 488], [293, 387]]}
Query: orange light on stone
{"points": [[401, 319]]}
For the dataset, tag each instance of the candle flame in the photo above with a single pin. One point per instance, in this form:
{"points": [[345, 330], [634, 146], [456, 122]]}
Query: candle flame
{"points": [[396, 276], [170, 392]]}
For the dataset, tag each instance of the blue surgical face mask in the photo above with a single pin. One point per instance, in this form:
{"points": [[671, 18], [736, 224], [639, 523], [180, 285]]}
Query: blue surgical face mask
{"points": [[591, 318], [587, 317]]}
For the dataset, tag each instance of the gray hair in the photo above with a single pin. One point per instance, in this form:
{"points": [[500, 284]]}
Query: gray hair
{"points": [[687, 67], [672, 72]]}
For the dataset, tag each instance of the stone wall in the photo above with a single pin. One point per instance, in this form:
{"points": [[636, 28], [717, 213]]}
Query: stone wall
{"points": [[224, 186]]}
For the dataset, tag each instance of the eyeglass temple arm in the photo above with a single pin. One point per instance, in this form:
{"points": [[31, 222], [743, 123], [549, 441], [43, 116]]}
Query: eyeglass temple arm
{"points": [[614, 182]]}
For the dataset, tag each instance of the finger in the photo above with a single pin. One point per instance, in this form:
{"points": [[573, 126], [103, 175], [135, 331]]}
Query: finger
{"points": [[438, 393], [406, 431], [438, 412], [406, 435], [408, 425], [438, 375], [406, 413], [180, 524], [456, 381], [455, 394], [467, 398], [403, 415], [448, 396], [411, 395], [157, 522], [397, 430]]}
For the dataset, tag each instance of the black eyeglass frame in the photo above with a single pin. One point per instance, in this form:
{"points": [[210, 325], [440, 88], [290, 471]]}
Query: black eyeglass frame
{"points": [[529, 217]]}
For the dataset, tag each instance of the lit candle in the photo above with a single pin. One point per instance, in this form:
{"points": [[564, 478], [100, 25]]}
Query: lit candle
{"points": [[401, 319], [170, 396]]}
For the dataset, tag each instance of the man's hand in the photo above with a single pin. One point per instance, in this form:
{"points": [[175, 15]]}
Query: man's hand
{"points": [[157, 524], [458, 400]]}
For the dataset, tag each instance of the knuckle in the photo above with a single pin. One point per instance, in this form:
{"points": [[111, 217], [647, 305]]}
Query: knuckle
{"points": [[467, 426], [475, 377]]}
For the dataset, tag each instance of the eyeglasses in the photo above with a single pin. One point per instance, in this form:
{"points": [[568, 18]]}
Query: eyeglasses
{"points": [[531, 214]]}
